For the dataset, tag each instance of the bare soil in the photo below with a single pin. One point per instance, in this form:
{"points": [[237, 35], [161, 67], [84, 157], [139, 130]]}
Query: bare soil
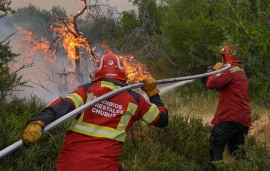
{"points": [[261, 129]]}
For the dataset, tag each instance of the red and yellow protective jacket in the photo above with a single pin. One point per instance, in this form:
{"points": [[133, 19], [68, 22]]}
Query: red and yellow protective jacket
{"points": [[233, 102], [94, 140]]}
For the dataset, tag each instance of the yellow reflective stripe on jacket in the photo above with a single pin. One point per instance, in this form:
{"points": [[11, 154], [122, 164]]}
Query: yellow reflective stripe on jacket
{"points": [[88, 99], [151, 115], [234, 69], [109, 85], [98, 131], [77, 100], [118, 134], [122, 125]]}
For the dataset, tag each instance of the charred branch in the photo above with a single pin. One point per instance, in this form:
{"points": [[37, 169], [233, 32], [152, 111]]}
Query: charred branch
{"points": [[40, 85], [23, 67]]}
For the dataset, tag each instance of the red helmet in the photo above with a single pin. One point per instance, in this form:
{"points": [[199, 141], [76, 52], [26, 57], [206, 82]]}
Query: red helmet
{"points": [[110, 66], [229, 54]]}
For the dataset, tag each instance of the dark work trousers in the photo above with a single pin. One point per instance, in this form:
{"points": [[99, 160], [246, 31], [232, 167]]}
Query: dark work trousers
{"points": [[230, 133]]}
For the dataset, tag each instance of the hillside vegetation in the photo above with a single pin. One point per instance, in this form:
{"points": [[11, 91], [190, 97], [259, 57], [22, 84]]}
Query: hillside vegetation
{"points": [[183, 145]]}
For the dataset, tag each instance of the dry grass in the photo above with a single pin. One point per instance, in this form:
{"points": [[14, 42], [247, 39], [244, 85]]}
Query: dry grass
{"points": [[204, 106]]}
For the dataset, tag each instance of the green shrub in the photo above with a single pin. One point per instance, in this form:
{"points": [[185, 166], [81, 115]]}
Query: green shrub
{"points": [[183, 145]]}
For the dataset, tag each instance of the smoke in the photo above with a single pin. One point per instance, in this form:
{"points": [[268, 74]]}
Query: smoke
{"points": [[48, 78], [72, 6]]}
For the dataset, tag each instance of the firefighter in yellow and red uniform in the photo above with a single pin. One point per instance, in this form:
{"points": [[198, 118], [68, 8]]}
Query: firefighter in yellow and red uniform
{"points": [[95, 139], [233, 115]]}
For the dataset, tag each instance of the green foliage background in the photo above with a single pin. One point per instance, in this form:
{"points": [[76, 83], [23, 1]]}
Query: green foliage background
{"points": [[173, 38]]}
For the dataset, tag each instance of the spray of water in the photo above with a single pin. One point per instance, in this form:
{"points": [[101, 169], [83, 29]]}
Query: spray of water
{"points": [[164, 88]]}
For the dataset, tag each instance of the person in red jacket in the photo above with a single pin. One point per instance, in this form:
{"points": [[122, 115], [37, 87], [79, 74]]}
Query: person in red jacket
{"points": [[95, 139], [233, 115]]}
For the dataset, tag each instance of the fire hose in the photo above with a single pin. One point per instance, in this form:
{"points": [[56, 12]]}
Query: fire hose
{"points": [[19, 143]]}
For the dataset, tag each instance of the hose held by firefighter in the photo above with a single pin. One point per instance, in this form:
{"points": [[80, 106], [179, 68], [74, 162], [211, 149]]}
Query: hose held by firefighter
{"points": [[96, 136]]}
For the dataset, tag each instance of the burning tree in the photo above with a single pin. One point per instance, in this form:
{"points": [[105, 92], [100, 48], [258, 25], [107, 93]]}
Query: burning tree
{"points": [[73, 40], [76, 46]]}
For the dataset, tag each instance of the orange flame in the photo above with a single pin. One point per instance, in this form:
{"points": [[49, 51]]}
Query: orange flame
{"points": [[41, 45], [135, 70], [71, 40]]}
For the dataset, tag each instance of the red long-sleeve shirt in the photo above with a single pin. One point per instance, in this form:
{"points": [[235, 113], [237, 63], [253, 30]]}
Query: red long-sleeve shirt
{"points": [[233, 101]]}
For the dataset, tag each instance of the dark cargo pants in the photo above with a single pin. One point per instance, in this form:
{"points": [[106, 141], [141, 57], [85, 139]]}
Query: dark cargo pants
{"points": [[230, 133]]}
